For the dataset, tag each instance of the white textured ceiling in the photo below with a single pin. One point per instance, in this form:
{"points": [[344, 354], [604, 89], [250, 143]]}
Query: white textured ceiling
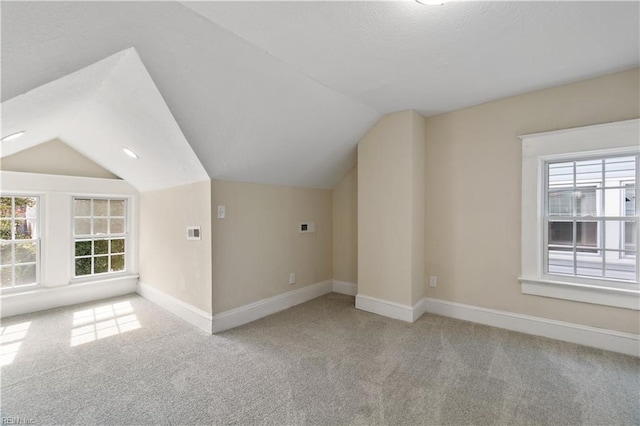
{"points": [[403, 55], [280, 92]]}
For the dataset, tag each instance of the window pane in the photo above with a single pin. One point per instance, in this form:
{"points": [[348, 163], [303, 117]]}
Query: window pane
{"points": [[620, 168], [586, 236], [101, 247], [81, 207], [25, 252], [5, 207], [117, 207], [83, 266], [100, 226], [561, 233], [26, 274], [620, 268], [82, 226], [5, 229], [23, 230], [100, 207], [6, 276], [586, 201], [629, 200], [560, 262], [6, 254], [589, 172], [117, 226], [24, 207], [117, 246], [589, 264], [561, 202], [83, 248], [101, 264], [117, 263], [561, 174], [630, 236]]}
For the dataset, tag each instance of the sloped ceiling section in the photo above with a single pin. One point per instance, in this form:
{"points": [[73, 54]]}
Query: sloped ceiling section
{"points": [[398, 55], [247, 115], [101, 109], [281, 92]]}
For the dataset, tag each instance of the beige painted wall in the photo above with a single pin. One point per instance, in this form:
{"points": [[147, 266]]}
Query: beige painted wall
{"points": [[258, 245], [54, 158], [473, 193], [345, 228], [167, 260], [388, 172], [418, 146]]}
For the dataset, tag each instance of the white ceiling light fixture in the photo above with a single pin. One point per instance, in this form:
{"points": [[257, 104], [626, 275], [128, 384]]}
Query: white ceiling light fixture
{"points": [[129, 152], [432, 2], [13, 136]]}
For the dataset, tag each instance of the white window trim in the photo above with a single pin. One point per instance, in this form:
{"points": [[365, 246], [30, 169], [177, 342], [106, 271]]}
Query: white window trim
{"points": [[604, 139]]}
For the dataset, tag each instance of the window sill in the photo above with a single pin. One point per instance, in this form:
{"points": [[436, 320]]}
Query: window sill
{"points": [[620, 298], [41, 298], [87, 279]]}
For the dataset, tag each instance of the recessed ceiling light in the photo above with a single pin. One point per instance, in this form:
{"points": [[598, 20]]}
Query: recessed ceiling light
{"points": [[432, 2], [129, 152], [12, 136]]}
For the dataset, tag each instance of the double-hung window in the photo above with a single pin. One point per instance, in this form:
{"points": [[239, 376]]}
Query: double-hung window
{"points": [[580, 214], [590, 222], [20, 245], [100, 235]]}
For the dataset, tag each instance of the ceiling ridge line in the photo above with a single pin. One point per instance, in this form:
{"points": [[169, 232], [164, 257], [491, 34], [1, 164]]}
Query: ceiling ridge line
{"points": [[280, 60]]}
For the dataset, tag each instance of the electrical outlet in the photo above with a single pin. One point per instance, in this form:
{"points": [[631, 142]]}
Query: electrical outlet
{"points": [[221, 212], [433, 281], [292, 278]]}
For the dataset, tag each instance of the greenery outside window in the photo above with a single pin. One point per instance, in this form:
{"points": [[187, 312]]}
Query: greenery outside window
{"points": [[100, 235], [20, 241]]}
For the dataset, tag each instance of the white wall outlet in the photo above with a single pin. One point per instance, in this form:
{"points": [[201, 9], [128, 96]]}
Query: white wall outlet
{"points": [[306, 227], [221, 212], [292, 278], [433, 281], [193, 233]]}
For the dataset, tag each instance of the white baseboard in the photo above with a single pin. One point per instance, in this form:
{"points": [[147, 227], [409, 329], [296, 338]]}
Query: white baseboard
{"points": [[55, 297], [343, 287], [245, 314], [389, 309], [187, 312], [611, 340]]}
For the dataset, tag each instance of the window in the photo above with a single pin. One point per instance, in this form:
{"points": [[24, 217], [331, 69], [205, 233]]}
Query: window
{"points": [[20, 245], [589, 222], [580, 214], [100, 233]]}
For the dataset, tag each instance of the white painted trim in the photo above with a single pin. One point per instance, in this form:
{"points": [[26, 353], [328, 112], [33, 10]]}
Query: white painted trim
{"points": [[183, 310], [262, 308], [616, 341], [597, 295], [41, 298], [602, 139], [344, 287], [389, 309]]}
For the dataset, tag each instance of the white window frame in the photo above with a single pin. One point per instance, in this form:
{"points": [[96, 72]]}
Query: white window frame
{"points": [[619, 138], [127, 240], [39, 223]]}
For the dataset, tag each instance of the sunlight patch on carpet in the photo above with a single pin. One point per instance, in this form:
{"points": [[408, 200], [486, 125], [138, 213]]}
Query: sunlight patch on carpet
{"points": [[103, 321], [11, 338]]}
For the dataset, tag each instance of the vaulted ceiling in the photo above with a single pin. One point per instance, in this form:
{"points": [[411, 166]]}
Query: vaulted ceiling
{"points": [[281, 92]]}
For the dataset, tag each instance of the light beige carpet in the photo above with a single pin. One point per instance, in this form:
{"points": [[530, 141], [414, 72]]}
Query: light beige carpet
{"points": [[126, 361]]}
